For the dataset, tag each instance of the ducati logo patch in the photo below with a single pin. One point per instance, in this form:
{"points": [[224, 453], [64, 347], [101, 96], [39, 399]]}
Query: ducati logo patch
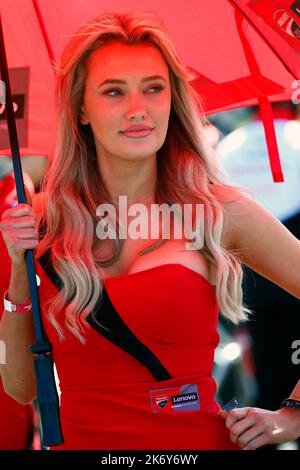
{"points": [[175, 399]]}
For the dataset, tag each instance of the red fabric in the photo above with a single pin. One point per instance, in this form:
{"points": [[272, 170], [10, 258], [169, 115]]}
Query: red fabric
{"points": [[281, 16], [16, 423], [105, 392], [268, 122], [8, 193]]}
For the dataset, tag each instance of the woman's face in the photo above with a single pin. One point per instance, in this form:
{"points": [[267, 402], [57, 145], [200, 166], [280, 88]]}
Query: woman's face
{"points": [[111, 108]]}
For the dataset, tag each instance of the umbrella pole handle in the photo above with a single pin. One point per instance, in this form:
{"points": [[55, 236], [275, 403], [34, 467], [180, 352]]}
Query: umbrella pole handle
{"points": [[48, 400], [46, 389]]}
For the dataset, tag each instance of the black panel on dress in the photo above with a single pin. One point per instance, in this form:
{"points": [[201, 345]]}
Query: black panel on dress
{"points": [[105, 320]]}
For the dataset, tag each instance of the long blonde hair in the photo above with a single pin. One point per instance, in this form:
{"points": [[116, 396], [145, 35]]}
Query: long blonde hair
{"points": [[188, 172]]}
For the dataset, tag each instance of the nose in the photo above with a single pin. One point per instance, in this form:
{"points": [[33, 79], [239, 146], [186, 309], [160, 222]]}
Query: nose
{"points": [[136, 106]]}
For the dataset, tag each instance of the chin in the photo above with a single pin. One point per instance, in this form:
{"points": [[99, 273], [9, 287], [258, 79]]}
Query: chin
{"points": [[137, 153], [137, 156]]}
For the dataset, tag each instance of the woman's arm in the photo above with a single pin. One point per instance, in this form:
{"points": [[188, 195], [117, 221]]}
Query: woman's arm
{"points": [[17, 332], [19, 228], [263, 243]]}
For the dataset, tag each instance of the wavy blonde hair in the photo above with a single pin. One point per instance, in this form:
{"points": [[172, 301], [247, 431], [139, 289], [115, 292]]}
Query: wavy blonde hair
{"points": [[188, 172]]}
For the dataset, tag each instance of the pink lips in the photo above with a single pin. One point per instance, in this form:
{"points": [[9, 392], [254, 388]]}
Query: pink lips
{"points": [[138, 133]]}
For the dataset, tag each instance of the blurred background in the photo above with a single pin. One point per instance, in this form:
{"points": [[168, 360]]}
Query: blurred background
{"points": [[255, 362]]}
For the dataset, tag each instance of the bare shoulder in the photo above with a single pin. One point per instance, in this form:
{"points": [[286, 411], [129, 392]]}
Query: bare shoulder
{"points": [[235, 204], [246, 221], [238, 217], [262, 242]]}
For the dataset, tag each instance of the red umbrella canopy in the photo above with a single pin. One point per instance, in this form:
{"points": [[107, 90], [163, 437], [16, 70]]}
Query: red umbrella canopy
{"points": [[244, 52]]}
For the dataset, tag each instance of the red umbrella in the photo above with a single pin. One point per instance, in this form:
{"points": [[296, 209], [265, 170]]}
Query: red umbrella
{"points": [[245, 53]]}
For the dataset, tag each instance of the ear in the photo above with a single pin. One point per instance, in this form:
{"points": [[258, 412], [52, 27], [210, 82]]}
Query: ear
{"points": [[83, 116]]}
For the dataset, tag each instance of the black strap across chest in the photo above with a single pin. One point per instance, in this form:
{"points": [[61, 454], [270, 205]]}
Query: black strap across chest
{"points": [[106, 320]]}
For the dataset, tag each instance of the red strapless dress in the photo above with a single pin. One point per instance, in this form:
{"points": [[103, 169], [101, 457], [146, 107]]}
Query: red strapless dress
{"points": [[110, 399]]}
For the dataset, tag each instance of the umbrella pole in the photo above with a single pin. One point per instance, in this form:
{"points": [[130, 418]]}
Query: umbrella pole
{"points": [[47, 396]]}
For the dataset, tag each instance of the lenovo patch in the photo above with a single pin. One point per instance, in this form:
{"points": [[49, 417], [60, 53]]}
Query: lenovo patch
{"points": [[175, 399]]}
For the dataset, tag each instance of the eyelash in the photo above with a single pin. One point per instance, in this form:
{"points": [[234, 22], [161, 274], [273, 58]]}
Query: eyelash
{"points": [[160, 88]]}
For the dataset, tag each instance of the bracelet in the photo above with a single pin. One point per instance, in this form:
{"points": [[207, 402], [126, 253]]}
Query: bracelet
{"points": [[290, 402], [11, 306]]}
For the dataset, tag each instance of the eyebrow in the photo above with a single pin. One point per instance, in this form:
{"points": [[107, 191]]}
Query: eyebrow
{"points": [[145, 79]]}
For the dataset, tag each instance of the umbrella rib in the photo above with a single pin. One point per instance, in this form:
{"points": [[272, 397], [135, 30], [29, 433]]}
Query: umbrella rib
{"points": [[235, 5], [44, 31]]}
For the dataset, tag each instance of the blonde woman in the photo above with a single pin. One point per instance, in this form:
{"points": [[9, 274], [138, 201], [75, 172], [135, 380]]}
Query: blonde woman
{"points": [[133, 320]]}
